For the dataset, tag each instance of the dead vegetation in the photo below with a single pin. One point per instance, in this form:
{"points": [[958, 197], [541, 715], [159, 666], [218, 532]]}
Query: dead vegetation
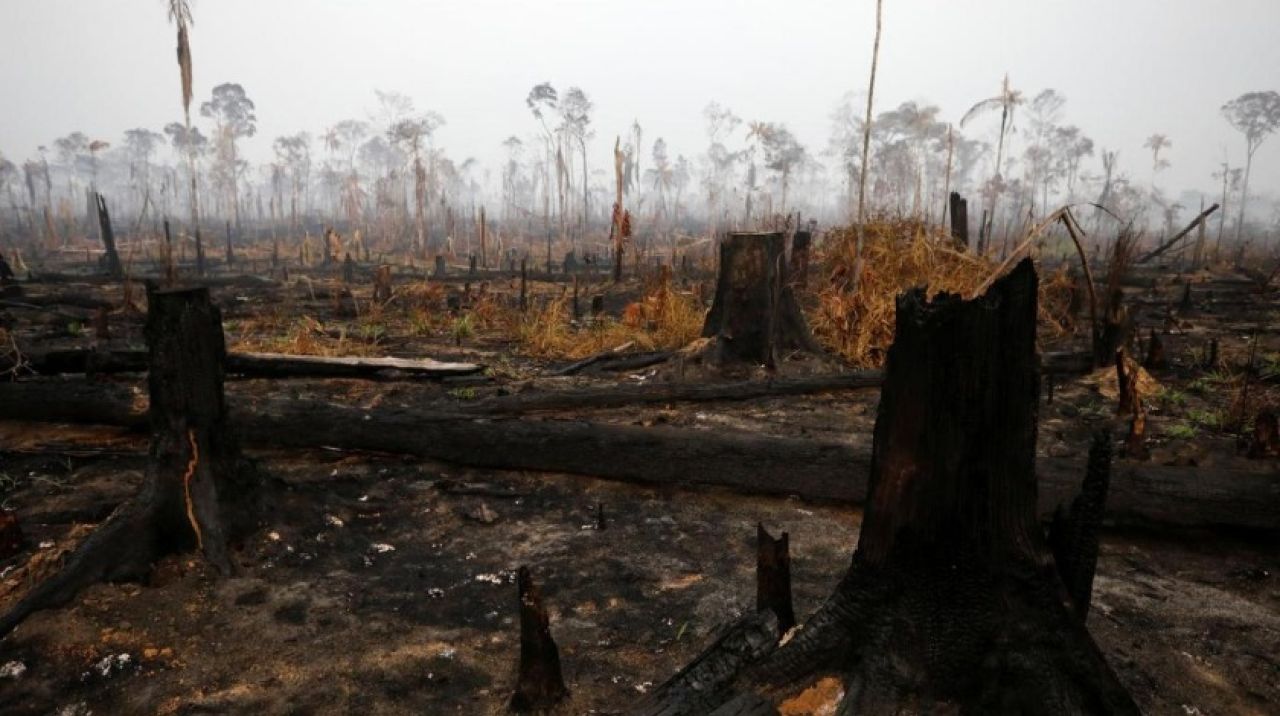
{"points": [[899, 255]]}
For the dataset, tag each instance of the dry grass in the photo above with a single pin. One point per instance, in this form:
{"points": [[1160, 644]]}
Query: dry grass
{"points": [[665, 319], [897, 256]]}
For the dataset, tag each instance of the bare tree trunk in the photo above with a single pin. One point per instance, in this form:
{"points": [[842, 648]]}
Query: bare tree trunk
{"points": [[866, 150]]}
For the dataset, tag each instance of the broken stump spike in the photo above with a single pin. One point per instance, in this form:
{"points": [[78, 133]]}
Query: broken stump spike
{"points": [[1073, 534], [541, 684], [773, 577]]}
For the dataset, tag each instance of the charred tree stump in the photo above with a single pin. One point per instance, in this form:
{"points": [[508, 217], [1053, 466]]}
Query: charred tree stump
{"points": [[1184, 304], [524, 284], [441, 269], [348, 269], [196, 478], [951, 603], [382, 284], [800, 245], [1266, 436], [1113, 333], [540, 685], [1155, 353], [1128, 402], [199, 253], [754, 314], [1073, 535], [11, 537], [959, 219], [112, 258], [1135, 444], [773, 578]]}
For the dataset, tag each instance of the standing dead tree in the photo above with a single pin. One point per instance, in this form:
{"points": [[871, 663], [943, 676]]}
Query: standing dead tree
{"points": [[198, 488], [953, 600], [112, 262]]}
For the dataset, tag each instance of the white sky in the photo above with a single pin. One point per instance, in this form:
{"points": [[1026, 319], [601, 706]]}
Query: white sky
{"points": [[1127, 67]]}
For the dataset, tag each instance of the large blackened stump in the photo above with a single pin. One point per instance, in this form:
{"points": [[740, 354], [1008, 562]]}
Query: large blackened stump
{"points": [[754, 315], [196, 477], [952, 599]]}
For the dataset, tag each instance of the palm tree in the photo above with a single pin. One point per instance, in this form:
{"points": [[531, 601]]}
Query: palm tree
{"points": [[180, 15], [1157, 143], [1007, 102]]}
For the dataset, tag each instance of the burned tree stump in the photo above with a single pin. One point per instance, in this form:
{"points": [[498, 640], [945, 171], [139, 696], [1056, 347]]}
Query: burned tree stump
{"points": [[1266, 436], [773, 578], [1073, 535], [11, 537], [800, 245], [1113, 331], [111, 258], [348, 269], [754, 314], [441, 268], [959, 219], [197, 490], [1155, 353], [382, 284], [540, 685], [1128, 401], [951, 603]]}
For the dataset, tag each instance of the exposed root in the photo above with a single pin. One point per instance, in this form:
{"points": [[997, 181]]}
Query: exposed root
{"points": [[186, 488]]}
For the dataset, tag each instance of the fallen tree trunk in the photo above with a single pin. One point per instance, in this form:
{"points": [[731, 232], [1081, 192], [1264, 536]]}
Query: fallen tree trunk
{"points": [[235, 281], [1142, 494], [628, 394], [256, 365], [1178, 236]]}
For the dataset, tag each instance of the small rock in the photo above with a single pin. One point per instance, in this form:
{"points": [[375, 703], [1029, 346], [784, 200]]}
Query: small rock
{"points": [[483, 513], [12, 669]]}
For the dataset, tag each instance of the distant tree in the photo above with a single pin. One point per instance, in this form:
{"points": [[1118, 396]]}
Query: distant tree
{"points": [[233, 112], [1007, 102], [575, 113], [73, 151], [720, 162], [1255, 115], [410, 135], [1045, 110], [541, 100], [660, 175], [293, 154], [140, 144], [1230, 177], [8, 176], [1072, 146], [180, 16], [1157, 143], [866, 150], [784, 155]]}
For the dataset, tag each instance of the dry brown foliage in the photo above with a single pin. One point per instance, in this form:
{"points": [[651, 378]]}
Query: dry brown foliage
{"points": [[664, 319], [899, 255]]}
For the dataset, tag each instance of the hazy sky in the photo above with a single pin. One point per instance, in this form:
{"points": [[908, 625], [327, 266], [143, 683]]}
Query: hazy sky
{"points": [[1127, 67]]}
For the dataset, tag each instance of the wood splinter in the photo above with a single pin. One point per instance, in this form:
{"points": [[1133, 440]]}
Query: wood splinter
{"points": [[773, 577], [541, 684]]}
